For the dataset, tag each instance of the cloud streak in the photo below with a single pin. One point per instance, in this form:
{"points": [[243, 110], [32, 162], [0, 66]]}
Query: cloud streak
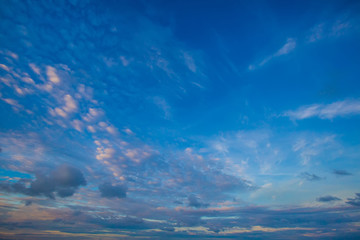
{"points": [[325, 111], [288, 47]]}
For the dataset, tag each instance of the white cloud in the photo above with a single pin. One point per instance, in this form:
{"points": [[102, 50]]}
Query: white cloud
{"points": [[28, 80], [102, 124], [104, 153], [51, 74], [162, 104], [190, 63], [288, 47], [61, 112], [34, 68], [70, 104], [91, 129], [317, 33], [4, 67], [137, 155], [78, 125], [111, 130], [93, 114], [12, 102], [124, 61], [327, 30], [326, 111], [128, 131]]}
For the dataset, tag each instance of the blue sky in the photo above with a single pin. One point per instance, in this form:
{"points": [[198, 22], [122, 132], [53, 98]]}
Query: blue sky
{"points": [[179, 119]]}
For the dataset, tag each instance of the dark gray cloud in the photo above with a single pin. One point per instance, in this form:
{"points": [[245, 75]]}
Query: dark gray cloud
{"points": [[310, 177], [196, 203], [63, 182], [354, 201], [341, 172], [108, 190], [327, 199]]}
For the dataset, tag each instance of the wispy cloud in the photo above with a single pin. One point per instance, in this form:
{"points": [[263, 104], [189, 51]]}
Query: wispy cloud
{"points": [[329, 29], [288, 47], [325, 111], [310, 176]]}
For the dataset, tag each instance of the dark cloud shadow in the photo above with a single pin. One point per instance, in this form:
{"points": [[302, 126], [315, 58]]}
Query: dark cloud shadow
{"points": [[341, 172], [327, 199], [63, 182], [310, 177], [354, 201], [108, 190]]}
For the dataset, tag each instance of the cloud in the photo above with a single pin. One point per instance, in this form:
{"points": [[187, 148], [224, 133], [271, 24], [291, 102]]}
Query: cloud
{"points": [[310, 177], [341, 172], [329, 30], [328, 199], [12, 102], [63, 181], [288, 47], [163, 105], [70, 104], [325, 111], [108, 190], [51, 74], [354, 201], [104, 153], [196, 203]]}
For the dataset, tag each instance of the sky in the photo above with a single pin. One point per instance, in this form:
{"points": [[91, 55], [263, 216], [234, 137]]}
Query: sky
{"points": [[179, 119]]}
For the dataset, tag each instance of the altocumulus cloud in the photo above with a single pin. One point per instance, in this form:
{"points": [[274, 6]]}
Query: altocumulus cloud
{"points": [[63, 181]]}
